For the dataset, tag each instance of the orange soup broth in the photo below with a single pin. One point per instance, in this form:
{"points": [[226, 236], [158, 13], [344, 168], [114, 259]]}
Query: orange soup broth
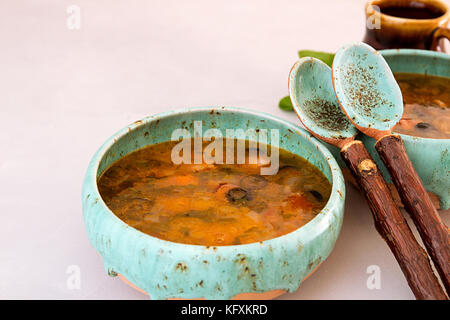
{"points": [[426, 106], [212, 204]]}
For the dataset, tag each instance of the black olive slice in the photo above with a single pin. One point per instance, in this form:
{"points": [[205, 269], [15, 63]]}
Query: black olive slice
{"points": [[423, 125], [254, 181], [316, 195], [237, 194]]}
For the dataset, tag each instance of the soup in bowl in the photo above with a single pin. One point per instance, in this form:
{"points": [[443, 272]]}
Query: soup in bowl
{"points": [[237, 228], [426, 100], [213, 202]]}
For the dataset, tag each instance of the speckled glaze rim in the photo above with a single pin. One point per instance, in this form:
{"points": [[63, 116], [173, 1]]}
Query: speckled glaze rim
{"points": [[97, 214]]}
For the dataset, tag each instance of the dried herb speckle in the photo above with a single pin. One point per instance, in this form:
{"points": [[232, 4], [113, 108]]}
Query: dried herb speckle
{"points": [[327, 114]]}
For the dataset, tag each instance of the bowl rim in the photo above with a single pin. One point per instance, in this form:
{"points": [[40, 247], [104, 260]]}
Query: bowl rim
{"points": [[418, 53], [308, 231]]}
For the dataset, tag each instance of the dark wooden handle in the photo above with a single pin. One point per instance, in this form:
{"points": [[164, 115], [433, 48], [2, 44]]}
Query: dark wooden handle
{"points": [[391, 224], [417, 202]]}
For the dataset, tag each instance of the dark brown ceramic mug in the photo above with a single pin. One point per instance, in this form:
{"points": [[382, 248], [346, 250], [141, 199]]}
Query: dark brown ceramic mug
{"points": [[418, 24]]}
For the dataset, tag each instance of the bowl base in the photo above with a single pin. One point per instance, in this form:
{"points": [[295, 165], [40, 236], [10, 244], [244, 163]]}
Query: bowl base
{"points": [[268, 295]]}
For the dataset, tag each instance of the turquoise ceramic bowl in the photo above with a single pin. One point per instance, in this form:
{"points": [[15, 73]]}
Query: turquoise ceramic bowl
{"points": [[165, 269]]}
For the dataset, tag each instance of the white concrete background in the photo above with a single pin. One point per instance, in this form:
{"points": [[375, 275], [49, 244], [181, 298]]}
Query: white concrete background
{"points": [[63, 92]]}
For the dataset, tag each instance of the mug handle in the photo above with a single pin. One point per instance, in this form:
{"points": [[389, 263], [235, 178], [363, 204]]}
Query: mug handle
{"points": [[438, 34]]}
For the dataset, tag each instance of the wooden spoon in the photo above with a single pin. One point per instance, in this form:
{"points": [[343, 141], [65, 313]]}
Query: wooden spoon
{"points": [[312, 96], [371, 98]]}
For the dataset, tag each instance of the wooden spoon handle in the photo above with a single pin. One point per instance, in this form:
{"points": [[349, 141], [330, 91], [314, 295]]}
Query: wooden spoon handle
{"points": [[391, 224], [417, 202]]}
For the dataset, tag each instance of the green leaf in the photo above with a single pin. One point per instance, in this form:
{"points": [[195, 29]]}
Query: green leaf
{"points": [[286, 104], [323, 56]]}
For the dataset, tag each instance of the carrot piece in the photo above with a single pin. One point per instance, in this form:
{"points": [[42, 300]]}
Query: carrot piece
{"points": [[297, 201], [177, 181], [407, 124]]}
